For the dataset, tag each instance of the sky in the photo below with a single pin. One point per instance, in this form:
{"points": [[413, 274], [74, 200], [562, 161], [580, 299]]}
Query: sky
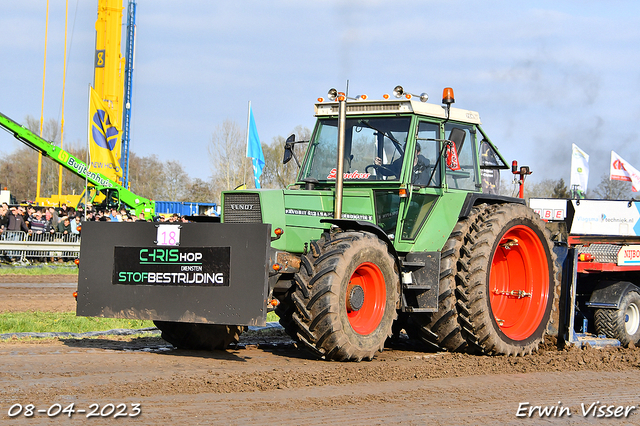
{"points": [[542, 74]]}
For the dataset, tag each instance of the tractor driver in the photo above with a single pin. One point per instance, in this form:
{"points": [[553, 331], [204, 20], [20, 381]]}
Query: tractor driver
{"points": [[421, 168]]}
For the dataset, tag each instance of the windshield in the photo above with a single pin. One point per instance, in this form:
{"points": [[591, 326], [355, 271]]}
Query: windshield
{"points": [[369, 144]]}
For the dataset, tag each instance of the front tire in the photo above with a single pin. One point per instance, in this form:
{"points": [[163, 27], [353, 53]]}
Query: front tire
{"points": [[622, 323], [345, 297], [507, 299]]}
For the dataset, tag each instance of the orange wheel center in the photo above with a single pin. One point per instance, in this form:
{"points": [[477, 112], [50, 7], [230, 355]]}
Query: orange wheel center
{"points": [[519, 283], [366, 298]]}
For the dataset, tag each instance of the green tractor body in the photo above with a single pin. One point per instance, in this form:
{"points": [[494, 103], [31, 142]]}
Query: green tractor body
{"points": [[417, 216]]}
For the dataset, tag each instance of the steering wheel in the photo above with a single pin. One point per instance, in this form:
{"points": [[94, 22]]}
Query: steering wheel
{"points": [[380, 167]]}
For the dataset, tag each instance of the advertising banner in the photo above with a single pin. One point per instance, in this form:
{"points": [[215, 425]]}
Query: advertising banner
{"points": [[599, 217], [549, 208], [629, 255], [186, 266], [579, 169], [105, 139], [622, 170]]}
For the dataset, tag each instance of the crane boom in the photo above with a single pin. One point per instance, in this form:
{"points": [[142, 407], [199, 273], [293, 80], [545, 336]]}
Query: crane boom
{"points": [[114, 193], [128, 83]]}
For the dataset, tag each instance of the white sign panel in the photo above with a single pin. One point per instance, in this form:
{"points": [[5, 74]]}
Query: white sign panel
{"points": [[549, 208], [600, 217], [629, 255], [168, 235]]}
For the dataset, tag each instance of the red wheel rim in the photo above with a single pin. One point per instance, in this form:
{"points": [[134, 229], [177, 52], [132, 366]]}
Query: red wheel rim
{"points": [[366, 319], [519, 283]]}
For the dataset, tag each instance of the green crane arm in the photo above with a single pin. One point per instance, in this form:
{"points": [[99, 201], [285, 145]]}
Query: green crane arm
{"points": [[77, 166]]}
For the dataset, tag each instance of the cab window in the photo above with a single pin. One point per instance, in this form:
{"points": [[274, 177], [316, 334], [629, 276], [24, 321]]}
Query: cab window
{"points": [[465, 177], [373, 148], [426, 169]]}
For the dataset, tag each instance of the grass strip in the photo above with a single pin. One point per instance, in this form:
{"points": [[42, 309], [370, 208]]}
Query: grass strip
{"points": [[53, 322], [42, 322]]}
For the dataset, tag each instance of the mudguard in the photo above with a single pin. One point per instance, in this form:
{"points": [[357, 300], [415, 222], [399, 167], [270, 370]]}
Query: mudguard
{"points": [[192, 272], [609, 294], [361, 225]]}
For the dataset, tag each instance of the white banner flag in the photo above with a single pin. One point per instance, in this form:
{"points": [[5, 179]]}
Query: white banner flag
{"points": [[621, 170], [579, 169]]}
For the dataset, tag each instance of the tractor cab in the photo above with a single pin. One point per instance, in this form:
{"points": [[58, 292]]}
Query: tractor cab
{"points": [[400, 143], [407, 155]]}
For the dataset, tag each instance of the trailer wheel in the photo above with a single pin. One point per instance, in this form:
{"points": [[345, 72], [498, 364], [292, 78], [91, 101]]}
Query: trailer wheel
{"points": [[345, 297], [441, 330], [188, 335], [506, 300], [622, 323]]}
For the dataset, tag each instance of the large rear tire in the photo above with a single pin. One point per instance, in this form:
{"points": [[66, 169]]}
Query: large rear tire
{"points": [[188, 335], [506, 301], [622, 323], [441, 330], [345, 297]]}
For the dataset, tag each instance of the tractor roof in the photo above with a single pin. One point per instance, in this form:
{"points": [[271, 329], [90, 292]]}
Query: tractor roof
{"points": [[395, 106]]}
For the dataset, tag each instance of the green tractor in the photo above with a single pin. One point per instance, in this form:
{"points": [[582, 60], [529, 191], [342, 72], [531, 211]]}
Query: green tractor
{"points": [[387, 228]]}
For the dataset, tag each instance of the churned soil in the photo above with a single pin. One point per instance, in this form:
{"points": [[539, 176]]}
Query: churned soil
{"points": [[266, 379], [21, 278], [19, 293]]}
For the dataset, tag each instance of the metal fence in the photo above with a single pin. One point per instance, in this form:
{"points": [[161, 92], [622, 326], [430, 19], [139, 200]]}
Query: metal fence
{"points": [[18, 246]]}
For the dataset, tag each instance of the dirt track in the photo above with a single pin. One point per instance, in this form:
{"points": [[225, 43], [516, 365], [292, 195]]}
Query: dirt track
{"points": [[267, 380]]}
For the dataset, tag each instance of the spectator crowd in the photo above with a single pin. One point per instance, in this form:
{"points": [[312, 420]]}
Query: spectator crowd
{"points": [[57, 224], [65, 220]]}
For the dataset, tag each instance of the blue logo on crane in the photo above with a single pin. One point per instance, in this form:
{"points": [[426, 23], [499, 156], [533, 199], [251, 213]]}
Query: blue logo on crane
{"points": [[105, 135]]}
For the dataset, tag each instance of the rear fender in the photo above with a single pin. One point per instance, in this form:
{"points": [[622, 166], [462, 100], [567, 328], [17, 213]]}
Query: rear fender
{"points": [[475, 198], [609, 294], [361, 225]]}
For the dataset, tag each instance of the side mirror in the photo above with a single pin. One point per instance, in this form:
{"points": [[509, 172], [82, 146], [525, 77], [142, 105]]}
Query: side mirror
{"points": [[288, 149], [457, 136]]}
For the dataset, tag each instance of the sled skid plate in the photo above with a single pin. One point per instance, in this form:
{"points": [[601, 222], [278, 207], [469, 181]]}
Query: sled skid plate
{"points": [[212, 273]]}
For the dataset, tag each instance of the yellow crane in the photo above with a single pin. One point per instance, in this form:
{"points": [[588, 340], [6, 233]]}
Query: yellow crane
{"points": [[109, 78]]}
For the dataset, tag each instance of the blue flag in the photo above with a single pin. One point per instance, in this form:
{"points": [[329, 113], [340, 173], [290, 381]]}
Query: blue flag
{"points": [[254, 149]]}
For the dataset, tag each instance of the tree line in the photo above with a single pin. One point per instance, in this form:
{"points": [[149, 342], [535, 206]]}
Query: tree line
{"points": [[149, 176], [155, 179], [606, 189]]}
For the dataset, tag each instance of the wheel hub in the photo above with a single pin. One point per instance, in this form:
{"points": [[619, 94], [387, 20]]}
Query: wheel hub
{"points": [[355, 298], [632, 318], [519, 282], [365, 298]]}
